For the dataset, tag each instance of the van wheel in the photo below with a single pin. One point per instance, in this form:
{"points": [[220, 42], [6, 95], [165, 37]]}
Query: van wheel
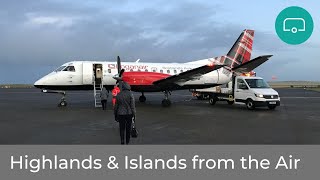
{"points": [[272, 107], [212, 100], [250, 104], [230, 102]]}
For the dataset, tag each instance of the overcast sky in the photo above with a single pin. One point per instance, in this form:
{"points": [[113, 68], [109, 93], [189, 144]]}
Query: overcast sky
{"points": [[38, 36]]}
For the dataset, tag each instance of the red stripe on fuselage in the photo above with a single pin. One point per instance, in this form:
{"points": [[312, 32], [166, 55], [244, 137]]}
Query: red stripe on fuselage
{"points": [[143, 78]]}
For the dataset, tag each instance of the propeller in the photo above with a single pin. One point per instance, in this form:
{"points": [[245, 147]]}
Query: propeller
{"points": [[118, 77], [119, 65]]}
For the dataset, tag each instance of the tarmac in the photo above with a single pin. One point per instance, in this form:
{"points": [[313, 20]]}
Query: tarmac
{"points": [[28, 116]]}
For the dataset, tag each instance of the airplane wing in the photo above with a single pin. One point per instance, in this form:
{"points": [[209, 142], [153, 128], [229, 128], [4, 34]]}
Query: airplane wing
{"points": [[252, 64], [187, 75]]}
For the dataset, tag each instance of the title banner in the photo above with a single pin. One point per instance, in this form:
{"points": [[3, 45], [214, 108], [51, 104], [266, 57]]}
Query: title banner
{"points": [[159, 162]]}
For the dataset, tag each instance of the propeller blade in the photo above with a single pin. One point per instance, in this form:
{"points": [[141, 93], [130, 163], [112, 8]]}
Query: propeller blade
{"points": [[119, 65], [121, 73], [118, 77]]}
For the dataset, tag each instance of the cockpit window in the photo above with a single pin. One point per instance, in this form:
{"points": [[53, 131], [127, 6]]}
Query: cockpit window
{"points": [[60, 68], [69, 68]]}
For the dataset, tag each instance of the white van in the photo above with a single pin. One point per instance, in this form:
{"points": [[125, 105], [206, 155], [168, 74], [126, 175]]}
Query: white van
{"points": [[251, 91]]}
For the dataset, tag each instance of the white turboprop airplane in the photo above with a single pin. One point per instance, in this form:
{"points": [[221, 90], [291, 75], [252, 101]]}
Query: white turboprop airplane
{"points": [[154, 77]]}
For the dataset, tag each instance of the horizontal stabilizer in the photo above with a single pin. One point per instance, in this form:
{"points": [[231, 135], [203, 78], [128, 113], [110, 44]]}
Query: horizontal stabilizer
{"points": [[251, 65]]}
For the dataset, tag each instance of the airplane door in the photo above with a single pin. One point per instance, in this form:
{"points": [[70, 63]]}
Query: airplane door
{"points": [[87, 73]]}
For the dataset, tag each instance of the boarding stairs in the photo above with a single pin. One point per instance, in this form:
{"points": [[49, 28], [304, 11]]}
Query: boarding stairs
{"points": [[97, 88]]}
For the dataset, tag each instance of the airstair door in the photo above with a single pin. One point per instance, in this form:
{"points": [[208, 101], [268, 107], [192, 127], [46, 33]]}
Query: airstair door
{"points": [[87, 73]]}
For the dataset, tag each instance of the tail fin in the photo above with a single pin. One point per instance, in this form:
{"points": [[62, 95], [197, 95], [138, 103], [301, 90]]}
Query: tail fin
{"points": [[241, 50]]}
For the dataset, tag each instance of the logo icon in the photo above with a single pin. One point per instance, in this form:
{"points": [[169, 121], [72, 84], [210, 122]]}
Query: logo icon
{"points": [[294, 25]]}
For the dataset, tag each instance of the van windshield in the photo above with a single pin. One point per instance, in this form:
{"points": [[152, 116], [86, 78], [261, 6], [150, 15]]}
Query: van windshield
{"points": [[257, 83]]}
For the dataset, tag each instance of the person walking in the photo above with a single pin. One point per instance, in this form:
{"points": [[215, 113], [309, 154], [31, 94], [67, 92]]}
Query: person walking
{"points": [[104, 97], [115, 92], [124, 111]]}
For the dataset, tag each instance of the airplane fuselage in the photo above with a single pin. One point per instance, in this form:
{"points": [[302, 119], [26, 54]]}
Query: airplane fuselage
{"points": [[80, 75], [153, 77]]}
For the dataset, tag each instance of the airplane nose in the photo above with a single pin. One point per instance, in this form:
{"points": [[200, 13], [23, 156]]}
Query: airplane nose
{"points": [[39, 83]]}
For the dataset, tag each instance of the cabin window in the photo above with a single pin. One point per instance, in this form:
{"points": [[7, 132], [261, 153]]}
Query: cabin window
{"points": [[168, 71], [181, 71], [175, 71], [131, 70], [69, 68], [154, 70], [146, 70], [109, 71], [161, 71], [139, 70]]}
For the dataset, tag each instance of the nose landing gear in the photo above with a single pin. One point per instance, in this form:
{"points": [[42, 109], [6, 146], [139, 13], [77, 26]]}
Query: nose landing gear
{"points": [[63, 102]]}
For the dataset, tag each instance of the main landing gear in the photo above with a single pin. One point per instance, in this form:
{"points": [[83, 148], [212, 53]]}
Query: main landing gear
{"points": [[166, 101], [142, 98]]}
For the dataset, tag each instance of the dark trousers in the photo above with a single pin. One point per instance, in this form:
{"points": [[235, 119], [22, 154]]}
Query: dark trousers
{"points": [[104, 104], [125, 122]]}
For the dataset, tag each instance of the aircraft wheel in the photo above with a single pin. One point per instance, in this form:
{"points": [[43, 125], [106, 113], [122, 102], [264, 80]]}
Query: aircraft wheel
{"points": [[62, 104], [166, 103], [142, 99], [250, 104]]}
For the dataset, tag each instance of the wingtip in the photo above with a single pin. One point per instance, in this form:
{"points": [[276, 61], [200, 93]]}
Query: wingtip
{"points": [[269, 55]]}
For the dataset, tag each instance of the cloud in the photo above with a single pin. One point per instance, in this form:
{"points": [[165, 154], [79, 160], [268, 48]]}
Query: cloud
{"points": [[152, 34], [58, 21], [51, 32]]}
